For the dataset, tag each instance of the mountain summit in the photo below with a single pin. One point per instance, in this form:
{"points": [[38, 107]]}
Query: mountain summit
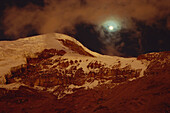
{"points": [[58, 66]]}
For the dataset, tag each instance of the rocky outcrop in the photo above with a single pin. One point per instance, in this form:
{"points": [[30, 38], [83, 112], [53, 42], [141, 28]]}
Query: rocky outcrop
{"points": [[159, 63], [155, 56], [74, 47]]}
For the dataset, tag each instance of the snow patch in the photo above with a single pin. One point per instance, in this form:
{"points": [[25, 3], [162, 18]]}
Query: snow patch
{"points": [[89, 85], [12, 86]]}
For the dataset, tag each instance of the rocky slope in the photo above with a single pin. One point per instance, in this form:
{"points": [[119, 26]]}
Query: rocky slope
{"points": [[46, 68]]}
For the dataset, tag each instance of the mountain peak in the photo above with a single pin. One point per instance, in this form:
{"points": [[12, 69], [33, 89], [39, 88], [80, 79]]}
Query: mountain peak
{"points": [[62, 57], [14, 53]]}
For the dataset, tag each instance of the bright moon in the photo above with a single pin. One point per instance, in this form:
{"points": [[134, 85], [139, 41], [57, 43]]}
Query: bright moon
{"points": [[111, 27]]}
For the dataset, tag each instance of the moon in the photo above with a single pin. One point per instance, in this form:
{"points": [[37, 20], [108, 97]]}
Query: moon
{"points": [[112, 25], [111, 28]]}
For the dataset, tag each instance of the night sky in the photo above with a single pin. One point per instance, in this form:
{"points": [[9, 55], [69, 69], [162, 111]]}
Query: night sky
{"points": [[113, 27]]}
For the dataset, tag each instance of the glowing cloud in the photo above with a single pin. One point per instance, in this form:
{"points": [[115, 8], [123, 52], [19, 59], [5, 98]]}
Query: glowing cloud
{"points": [[54, 13]]}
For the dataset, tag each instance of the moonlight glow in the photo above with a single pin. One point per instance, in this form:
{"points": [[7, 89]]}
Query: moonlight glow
{"points": [[111, 26]]}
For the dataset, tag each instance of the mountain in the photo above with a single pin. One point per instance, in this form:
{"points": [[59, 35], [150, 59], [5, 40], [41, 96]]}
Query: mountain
{"points": [[57, 71]]}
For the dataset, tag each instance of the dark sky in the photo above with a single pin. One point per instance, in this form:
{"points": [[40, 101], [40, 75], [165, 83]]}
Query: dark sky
{"points": [[140, 26]]}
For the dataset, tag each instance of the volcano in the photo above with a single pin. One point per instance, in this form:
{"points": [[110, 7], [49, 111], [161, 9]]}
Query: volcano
{"points": [[56, 73]]}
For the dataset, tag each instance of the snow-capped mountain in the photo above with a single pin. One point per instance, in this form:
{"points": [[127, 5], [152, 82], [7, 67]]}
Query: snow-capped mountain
{"points": [[60, 65], [55, 60]]}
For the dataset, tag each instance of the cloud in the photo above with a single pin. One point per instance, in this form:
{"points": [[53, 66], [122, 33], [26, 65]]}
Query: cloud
{"points": [[111, 50], [57, 15], [63, 15]]}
